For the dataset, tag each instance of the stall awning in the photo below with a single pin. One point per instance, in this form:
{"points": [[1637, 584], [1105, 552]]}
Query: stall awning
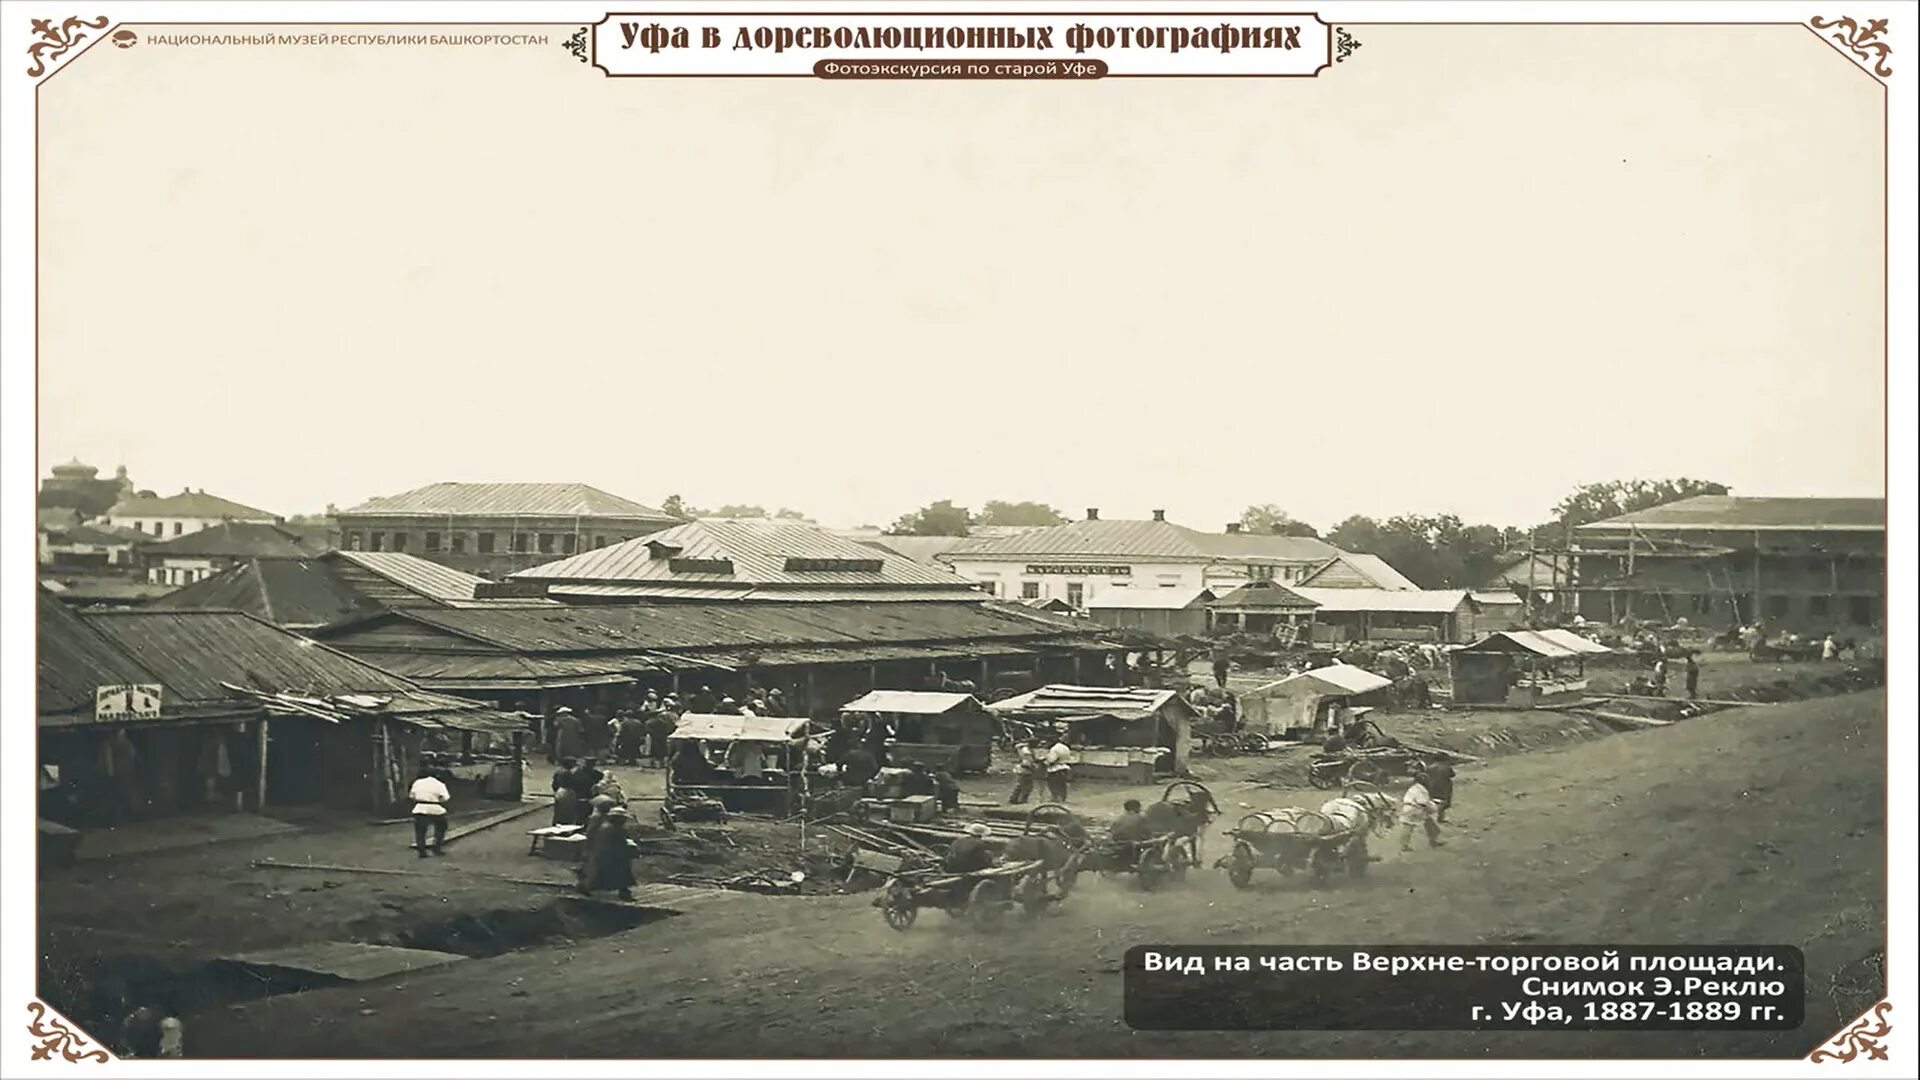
{"points": [[1552, 644], [914, 702], [1332, 679], [723, 728]]}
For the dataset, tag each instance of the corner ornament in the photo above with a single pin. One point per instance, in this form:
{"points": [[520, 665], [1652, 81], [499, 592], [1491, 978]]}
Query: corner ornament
{"points": [[1861, 41], [54, 1034], [57, 40], [1343, 43], [1862, 1039], [577, 45]]}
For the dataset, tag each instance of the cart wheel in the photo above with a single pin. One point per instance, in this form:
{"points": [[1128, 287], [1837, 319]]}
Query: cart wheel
{"points": [[1323, 778], [899, 910], [986, 903], [1365, 772], [1240, 866]]}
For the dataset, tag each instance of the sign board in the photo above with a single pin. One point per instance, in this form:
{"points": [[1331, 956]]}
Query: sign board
{"points": [[133, 701], [1089, 571]]}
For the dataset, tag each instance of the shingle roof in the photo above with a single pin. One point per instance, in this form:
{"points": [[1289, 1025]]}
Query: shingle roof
{"points": [[240, 539], [189, 504], [754, 553], [1743, 512], [508, 500], [1103, 538]]}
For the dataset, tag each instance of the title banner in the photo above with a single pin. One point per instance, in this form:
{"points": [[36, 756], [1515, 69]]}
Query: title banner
{"points": [[961, 46]]}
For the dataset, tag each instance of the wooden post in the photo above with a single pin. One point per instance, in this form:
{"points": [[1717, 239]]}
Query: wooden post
{"points": [[260, 765]]}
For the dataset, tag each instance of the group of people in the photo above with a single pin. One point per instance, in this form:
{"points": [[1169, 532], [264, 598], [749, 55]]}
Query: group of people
{"points": [[638, 734], [577, 784], [1659, 676], [1043, 760]]}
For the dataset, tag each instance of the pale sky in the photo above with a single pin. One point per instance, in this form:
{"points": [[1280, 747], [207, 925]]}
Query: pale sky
{"points": [[1465, 271]]}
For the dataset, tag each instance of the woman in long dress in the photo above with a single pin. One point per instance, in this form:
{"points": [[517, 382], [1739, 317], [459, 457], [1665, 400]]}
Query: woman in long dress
{"points": [[609, 857]]}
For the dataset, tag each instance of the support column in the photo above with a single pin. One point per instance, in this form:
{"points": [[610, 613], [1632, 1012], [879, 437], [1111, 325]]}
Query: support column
{"points": [[260, 765]]}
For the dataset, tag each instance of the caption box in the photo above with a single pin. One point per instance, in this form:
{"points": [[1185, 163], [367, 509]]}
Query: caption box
{"points": [[1465, 988]]}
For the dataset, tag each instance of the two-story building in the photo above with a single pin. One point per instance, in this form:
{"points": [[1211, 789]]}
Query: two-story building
{"points": [[200, 555], [1812, 564], [182, 514], [1082, 561], [495, 529]]}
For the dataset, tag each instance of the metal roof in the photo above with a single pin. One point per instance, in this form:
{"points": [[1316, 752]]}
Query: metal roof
{"points": [[286, 592], [1332, 679], [74, 659], [1742, 513], [921, 549], [649, 591], [1148, 540], [189, 504], [1555, 644], [1371, 571], [727, 728], [194, 652], [416, 575], [239, 539], [1494, 596], [912, 702], [1426, 601], [1116, 701], [1148, 598], [507, 500], [758, 552]]}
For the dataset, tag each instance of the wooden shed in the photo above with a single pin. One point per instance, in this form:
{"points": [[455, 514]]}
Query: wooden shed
{"points": [[1167, 612], [1310, 701], [1124, 734], [936, 729], [1522, 667], [1263, 607]]}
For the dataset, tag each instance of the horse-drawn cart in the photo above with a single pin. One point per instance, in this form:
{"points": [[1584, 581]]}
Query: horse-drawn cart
{"points": [[1297, 839], [982, 897], [1365, 765]]}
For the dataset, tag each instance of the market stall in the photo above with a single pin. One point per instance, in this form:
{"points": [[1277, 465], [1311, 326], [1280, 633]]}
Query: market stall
{"points": [[750, 764], [939, 730]]}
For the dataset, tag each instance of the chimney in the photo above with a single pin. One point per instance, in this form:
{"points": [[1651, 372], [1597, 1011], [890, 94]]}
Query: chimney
{"points": [[1159, 515], [1233, 526], [1093, 513]]}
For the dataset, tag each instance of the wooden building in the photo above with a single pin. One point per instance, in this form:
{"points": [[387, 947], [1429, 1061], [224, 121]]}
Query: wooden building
{"points": [[1172, 612], [1725, 560], [1437, 616], [936, 729], [1263, 607], [1130, 735], [1313, 702], [1522, 668]]}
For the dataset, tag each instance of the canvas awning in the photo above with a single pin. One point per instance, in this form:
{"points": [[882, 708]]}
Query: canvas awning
{"points": [[912, 702], [1552, 644], [714, 727], [1327, 681]]}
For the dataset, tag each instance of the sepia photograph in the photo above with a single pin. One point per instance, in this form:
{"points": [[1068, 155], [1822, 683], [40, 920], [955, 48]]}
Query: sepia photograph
{"points": [[994, 535]]}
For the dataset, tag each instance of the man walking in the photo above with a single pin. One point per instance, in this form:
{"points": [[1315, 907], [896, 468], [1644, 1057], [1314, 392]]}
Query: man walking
{"points": [[430, 798], [1693, 677], [1417, 808], [1221, 665]]}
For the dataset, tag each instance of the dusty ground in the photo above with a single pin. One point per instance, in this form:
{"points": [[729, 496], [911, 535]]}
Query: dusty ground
{"points": [[1756, 825]]}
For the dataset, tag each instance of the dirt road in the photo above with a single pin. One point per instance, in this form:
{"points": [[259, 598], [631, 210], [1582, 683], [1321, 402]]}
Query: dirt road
{"points": [[1751, 826]]}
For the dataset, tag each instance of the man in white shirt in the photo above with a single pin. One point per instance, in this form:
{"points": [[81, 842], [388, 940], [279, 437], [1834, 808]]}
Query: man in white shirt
{"points": [[1417, 808], [430, 797], [1059, 765]]}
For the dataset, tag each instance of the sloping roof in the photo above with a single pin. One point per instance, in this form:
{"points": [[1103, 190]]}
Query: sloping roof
{"points": [[508, 500], [727, 728], [1430, 601], [1555, 644], [239, 539], [760, 553], [1332, 679], [1102, 538], [56, 518], [1062, 700], [759, 593], [1264, 594], [97, 535], [1736, 512], [74, 659], [195, 651], [297, 593], [189, 504], [914, 702], [1541, 570], [1494, 596], [422, 577], [1355, 570], [1150, 598]]}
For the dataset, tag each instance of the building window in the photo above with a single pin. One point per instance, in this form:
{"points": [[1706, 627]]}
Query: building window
{"points": [[599, 541], [546, 543], [1258, 573], [1778, 606], [1029, 590], [179, 527], [520, 543], [433, 541], [459, 542], [484, 542], [399, 541], [354, 540], [569, 544], [1076, 595], [376, 541], [1819, 606]]}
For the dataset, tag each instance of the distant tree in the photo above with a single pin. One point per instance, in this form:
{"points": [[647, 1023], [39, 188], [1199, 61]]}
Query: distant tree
{"points": [[676, 507], [937, 519], [1000, 512], [1269, 518], [737, 510], [1597, 502], [1436, 552]]}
